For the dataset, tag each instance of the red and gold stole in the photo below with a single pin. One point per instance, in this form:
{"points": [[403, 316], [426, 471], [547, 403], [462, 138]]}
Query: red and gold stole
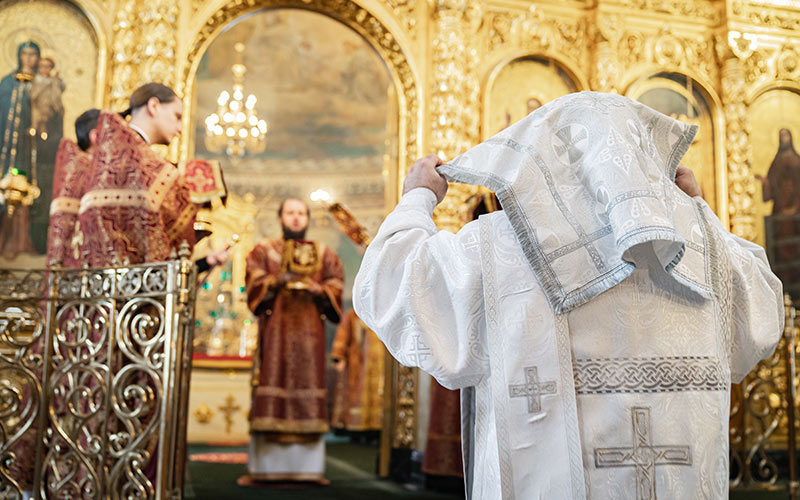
{"points": [[69, 183], [137, 208]]}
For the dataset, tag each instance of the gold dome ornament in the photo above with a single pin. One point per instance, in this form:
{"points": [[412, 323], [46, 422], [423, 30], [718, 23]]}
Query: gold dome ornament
{"points": [[16, 190]]}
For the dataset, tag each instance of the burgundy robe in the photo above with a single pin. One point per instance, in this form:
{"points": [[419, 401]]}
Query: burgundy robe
{"points": [[289, 395], [137, 207], [69, 184]]}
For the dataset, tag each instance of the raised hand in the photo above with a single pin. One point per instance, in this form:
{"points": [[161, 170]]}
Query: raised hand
{"points": [[423, 174]]}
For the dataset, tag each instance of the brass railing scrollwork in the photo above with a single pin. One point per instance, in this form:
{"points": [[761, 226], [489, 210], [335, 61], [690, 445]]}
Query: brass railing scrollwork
{"points": [[763, 406], [93, 373]]}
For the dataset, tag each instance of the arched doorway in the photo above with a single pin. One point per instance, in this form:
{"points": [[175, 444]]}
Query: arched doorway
{"points": [[521, 85], [684, 99], [341, 115]]}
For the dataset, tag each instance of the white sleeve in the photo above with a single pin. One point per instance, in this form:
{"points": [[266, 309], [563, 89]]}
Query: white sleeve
{"points": [[756, 304], [420, 291]]}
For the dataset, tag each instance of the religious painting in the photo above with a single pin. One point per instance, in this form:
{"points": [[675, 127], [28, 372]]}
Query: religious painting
{"points": [[319, 123], [677, 96], [775, 125], [48, 68], [330, 111], [519, 88]]}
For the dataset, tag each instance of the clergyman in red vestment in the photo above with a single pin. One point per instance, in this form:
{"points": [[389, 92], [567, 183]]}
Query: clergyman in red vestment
{"points": [[137, 208], [359, 356], [293, 286], [69, 183]]}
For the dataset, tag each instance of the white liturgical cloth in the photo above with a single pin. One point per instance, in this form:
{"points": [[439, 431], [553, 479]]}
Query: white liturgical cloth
{"points": [[595, 323]]}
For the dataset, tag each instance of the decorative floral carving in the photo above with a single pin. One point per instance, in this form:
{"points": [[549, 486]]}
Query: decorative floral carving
{"points": [[143, 47], [768, 16], [533, 30], [667, 49], [695, 9], [405, 12], [455, 109], [787, 63], [741, 186]]}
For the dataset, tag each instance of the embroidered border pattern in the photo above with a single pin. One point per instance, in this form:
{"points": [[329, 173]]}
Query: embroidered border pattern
{"points": [[658, 374]]}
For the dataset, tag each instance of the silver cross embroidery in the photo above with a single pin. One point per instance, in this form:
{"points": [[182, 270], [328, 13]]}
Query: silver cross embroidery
{"points": [[572, 137], [419, 351], [532, 389], [643, 455]]}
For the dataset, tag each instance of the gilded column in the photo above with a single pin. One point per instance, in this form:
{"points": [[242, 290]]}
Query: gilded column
{"points": [[144, 44], [741, 184], [605, 59], [455, 99]]}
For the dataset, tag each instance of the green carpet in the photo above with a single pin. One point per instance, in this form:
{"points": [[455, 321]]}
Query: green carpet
{"points": [[350, 468]]}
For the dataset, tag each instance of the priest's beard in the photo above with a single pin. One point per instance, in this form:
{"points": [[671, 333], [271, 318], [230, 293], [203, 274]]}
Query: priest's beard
{"points": [[288, 234]]}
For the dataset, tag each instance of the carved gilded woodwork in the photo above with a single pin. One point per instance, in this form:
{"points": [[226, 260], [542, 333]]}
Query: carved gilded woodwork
{"points": [[535, 32], [707, 10], [455, 96], [406, 12], [741, 185], [783, 18], [144, 47]]}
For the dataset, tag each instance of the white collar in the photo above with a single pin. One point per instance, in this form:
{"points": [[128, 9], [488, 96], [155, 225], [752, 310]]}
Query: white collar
{"points": [[139, 131]]}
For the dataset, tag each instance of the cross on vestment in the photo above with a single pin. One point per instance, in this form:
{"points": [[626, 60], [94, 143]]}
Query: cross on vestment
{"points": [[419, 352], [532, 389], [643, 455], [76, 241], [198, 179], [572, 138]]}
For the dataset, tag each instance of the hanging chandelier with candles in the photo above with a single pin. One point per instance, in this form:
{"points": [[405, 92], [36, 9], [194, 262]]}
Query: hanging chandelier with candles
{"points": [[235, 127]]}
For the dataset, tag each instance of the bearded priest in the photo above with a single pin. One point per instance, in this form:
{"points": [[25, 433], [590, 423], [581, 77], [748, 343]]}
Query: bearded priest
{"points": [[293, 286]]}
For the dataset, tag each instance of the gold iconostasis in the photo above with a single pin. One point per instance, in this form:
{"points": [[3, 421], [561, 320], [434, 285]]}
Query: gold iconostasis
{"points": [[351, 92]]}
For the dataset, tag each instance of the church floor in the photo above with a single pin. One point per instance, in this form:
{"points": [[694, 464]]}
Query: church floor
{"points": [[349, 467]]}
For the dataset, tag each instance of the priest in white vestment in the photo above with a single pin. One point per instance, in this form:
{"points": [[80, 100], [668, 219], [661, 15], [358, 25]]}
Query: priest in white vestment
{"points": [[594, 324]]}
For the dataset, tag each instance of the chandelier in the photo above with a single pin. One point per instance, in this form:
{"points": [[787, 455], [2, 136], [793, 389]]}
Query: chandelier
{"points": [[235, 127]]}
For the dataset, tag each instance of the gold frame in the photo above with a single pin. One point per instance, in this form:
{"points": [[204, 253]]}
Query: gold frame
{"points": [[407, 103], [93, 11], [357, 18], [646, 82], [499, 64]]}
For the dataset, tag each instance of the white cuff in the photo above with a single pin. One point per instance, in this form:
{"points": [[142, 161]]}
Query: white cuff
{"points": [[420, 197]]}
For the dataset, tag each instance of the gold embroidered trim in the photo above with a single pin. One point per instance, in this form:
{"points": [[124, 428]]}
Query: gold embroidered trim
{"points": [[161, 185], [113, 197], [293, 393], [289, 437], [316, 425], [334, 282], [180, 224], [148, 198], [65, 204]]}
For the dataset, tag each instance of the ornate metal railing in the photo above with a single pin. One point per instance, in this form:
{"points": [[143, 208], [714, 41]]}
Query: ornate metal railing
{"points": [[94, 367], [763, 417]]}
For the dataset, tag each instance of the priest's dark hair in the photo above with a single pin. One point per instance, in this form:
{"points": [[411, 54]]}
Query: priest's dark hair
{"points": [[85, 124], [280, 208], [143, 94]]}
